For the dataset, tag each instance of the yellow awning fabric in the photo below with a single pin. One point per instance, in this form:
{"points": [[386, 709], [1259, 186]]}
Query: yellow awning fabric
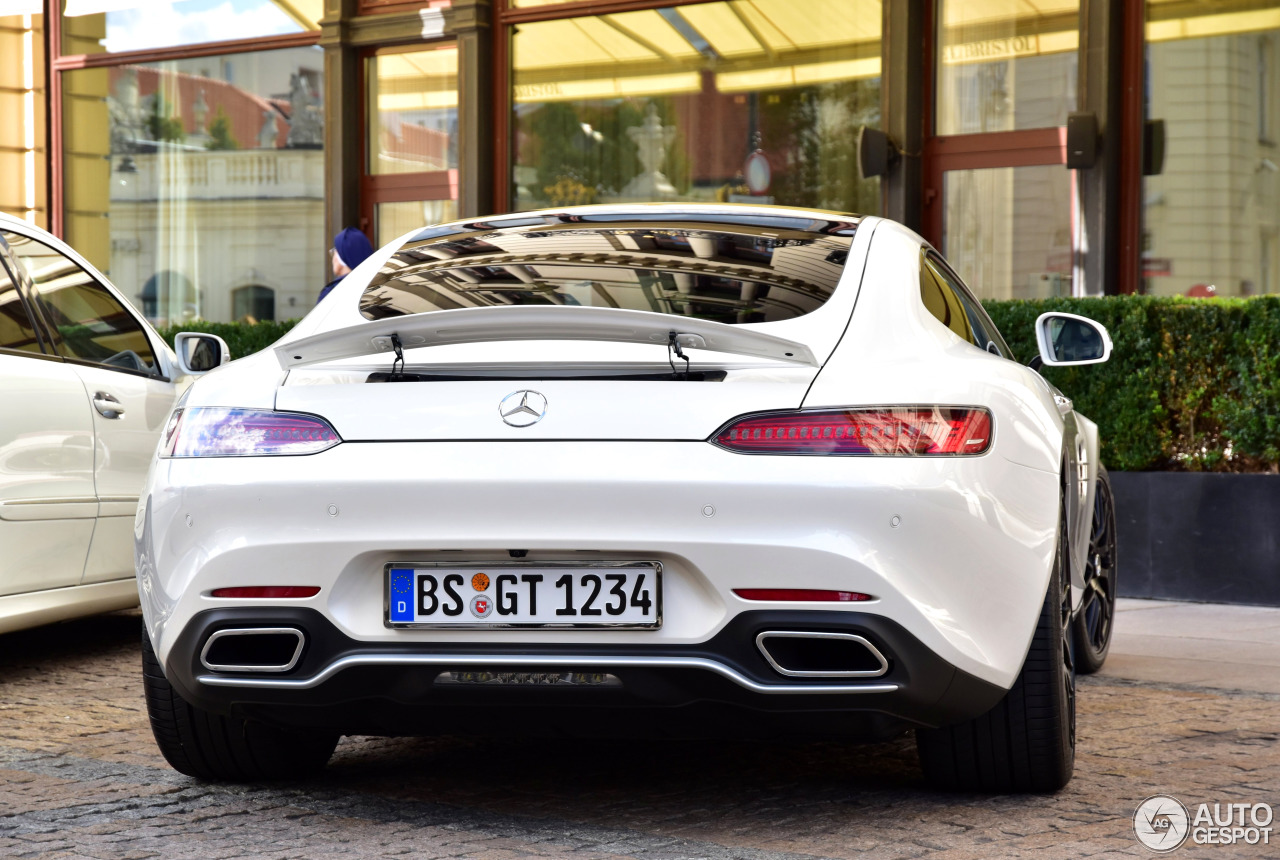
{"points": [[745, 44], [1219, 21], [418, 80]]}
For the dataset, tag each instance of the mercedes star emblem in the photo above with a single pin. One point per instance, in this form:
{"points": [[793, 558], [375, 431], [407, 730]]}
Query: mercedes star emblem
{"points": [[522, 408]]}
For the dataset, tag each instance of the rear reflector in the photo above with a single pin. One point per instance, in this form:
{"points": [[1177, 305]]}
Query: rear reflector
{"points": [[879, 431], [811, 594], [268, 591]]}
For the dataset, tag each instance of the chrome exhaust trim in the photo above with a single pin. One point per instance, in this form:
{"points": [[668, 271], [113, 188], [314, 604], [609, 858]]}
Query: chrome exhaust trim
{"points": [[258, 667], [763, 637], [453, 661]]}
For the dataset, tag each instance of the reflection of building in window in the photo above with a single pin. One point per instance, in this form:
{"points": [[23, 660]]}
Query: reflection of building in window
{"points": [[169, 297], [1212, 215], [413, 101], [22, 142], [253, 304], [1006, 65], [210, 174], [743, 272]]}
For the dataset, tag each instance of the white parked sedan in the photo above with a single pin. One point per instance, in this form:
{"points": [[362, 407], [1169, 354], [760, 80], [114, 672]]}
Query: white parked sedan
{"points": [[649, 470], [86, 386]]}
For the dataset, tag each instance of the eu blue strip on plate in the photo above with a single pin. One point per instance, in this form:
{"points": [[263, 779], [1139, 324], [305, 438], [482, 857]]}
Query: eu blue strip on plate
{"points": [[401, 591]]}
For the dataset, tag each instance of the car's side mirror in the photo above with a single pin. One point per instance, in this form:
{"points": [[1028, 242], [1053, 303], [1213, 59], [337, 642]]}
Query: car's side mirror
{"points": [[199, 353], [1067, 339]]}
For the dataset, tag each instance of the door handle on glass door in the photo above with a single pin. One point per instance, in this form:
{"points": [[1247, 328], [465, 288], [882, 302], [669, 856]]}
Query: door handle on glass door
{"points": [[107, 406]]}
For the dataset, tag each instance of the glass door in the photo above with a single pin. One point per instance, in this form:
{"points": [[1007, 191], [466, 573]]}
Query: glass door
{"points": [[411, 144], [999, 201]]}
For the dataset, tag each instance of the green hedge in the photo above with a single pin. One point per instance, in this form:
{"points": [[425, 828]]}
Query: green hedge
{"points": [[243, 338], [1193, 384]]}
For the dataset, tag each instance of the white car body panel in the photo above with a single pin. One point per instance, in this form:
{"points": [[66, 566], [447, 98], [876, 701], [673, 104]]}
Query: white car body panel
{"points": [[577, 409], [772, 515], [47, 498]]}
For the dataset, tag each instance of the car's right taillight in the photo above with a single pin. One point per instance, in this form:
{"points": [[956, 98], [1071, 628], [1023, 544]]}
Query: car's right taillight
{"points": [[910, 431]]}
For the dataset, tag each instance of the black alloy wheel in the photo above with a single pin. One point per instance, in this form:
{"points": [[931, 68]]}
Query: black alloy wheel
{"points": [[1096, 618]]}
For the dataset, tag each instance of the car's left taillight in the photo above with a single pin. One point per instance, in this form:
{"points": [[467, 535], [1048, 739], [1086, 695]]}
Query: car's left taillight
{"points": [[207, 431]]}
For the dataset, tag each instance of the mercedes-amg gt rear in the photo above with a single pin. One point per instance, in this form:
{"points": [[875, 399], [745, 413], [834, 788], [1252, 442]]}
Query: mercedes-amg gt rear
{"points": [[627, 471]]}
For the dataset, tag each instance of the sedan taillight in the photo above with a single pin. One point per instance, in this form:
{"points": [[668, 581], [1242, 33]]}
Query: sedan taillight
{"points": [[876, 431], [219, 432]]}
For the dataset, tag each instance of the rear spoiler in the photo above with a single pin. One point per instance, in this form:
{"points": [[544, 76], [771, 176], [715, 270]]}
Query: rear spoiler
{"points": [[538, 322]]}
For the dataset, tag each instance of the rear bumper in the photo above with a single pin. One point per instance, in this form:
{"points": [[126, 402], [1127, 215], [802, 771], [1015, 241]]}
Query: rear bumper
{"points": [[955, 550], [718, 687]]}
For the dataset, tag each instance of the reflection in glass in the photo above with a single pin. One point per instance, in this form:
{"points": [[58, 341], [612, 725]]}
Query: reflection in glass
{"points": [[726, 272], [22, 108], [1007, 230], [1074, 340], [86, 321], [101, 26], [191, 179], [16, 329], [1212, 217], [395, 219], [413, 111], [742, 101], [1005, 65], [253, 304]]}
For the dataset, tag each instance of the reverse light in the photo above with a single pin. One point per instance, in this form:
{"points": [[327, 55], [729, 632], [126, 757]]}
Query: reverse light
{"points": [[220, 432], [877, 431], [267, 591], [816, 595]]}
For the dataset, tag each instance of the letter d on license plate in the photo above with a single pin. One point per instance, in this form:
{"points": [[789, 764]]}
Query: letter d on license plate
{"points": [[540, 594]]}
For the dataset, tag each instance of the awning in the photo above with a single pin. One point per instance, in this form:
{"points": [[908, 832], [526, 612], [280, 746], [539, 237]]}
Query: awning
{"points": [[744, 45]]}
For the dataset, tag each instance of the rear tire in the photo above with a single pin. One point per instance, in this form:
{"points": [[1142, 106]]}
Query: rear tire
{"points": [[1096, 618], [226, 749], [1027, 742]]}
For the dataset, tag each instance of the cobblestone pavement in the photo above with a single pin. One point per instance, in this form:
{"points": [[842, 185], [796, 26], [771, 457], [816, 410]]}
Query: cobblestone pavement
{"points": [[80, 777]]}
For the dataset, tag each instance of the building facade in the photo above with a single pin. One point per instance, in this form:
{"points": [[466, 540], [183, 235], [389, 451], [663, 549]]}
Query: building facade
{"points": [[203, 153]]}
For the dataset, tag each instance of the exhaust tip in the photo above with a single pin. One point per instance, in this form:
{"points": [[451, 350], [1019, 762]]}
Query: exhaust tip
{"points": [[815, 654], [253, 649]]}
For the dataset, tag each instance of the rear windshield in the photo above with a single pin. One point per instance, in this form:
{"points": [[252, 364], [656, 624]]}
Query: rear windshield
{"points": [[729, 269]]}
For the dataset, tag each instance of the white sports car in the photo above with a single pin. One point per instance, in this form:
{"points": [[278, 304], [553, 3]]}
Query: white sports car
{"points": [[633, 470]]}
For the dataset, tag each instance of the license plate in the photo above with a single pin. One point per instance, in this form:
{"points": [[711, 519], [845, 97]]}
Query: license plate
{"points": [[603, 594]]}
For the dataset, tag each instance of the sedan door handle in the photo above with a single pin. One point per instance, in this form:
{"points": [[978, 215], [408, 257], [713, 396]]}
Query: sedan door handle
{"points": [[107, 406]]}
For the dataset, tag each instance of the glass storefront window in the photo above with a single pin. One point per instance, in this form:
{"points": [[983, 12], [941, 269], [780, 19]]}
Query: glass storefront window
{"points": [[742, 101], [112, 26], [1007, 230], [395, 219], [1212, 217], [22, 107], [188, 181], [1006, 65], [413, 111]]}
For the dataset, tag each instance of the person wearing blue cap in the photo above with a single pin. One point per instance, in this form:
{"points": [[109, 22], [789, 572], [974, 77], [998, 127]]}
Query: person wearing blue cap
{"points": [[350, 249]]}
